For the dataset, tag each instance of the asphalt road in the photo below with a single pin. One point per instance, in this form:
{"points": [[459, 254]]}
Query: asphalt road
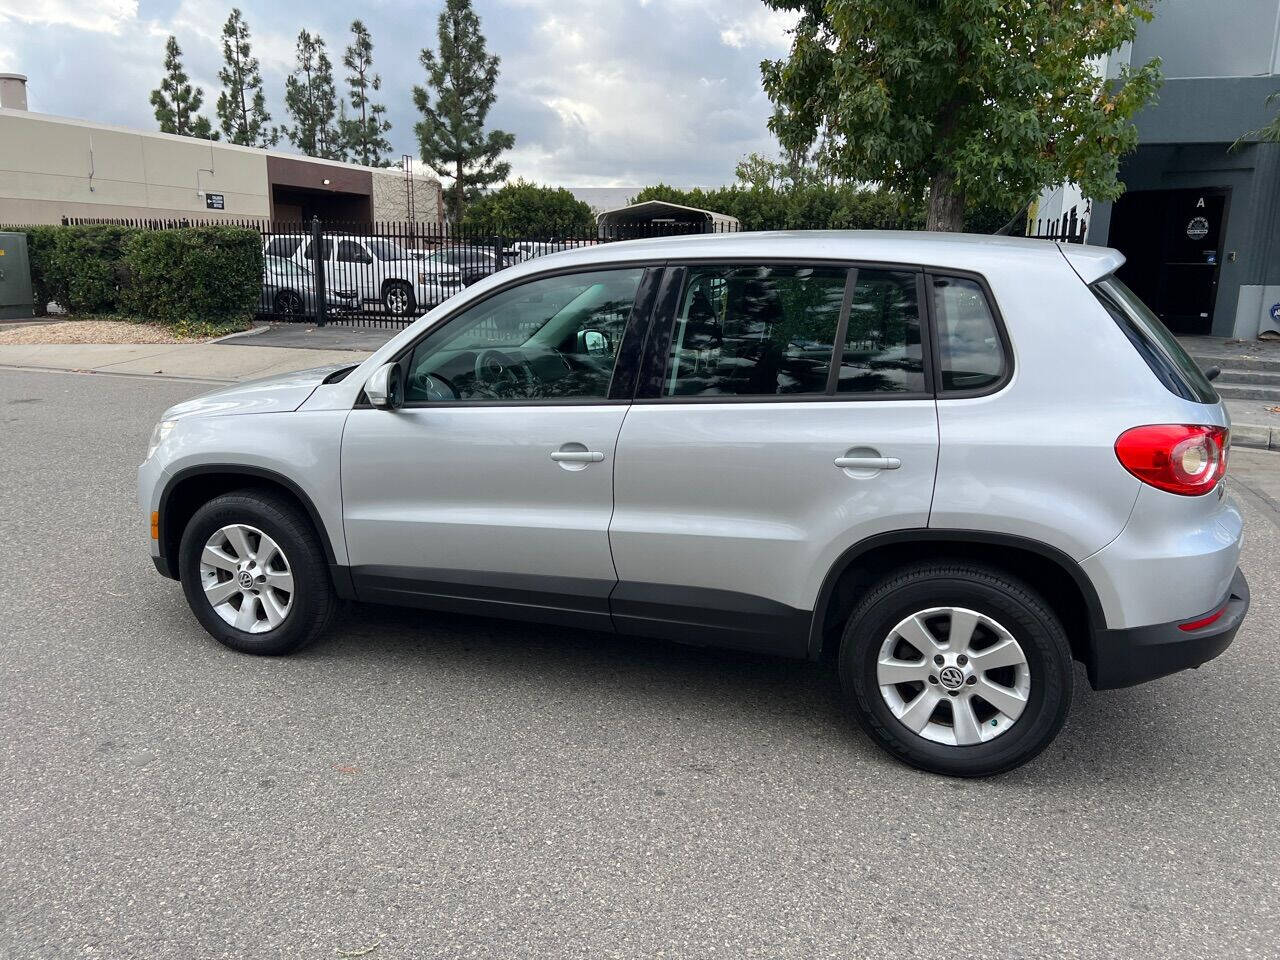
{"points": [[451, 787]]}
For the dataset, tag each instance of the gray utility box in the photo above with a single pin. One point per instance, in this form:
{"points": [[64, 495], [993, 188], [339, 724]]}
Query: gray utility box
{"points": [[16, 300]]}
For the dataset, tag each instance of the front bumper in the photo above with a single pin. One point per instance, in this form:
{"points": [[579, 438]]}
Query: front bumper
{"points": [[1122, 658]]}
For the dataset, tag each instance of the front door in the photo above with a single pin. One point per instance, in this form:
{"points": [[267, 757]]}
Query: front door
{"points": [[750, 460], [490, 491], [1172, 242]]}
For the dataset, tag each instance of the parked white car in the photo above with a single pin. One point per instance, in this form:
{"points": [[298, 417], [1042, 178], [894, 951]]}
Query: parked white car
{"points": [[380, 269]]}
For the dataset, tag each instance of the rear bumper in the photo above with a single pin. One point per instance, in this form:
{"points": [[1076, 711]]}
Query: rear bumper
{"points": [[1121, 658]]}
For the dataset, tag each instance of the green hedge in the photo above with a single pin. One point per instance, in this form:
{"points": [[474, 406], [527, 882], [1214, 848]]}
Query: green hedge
{"points": [[186, 277], [193, 274]]}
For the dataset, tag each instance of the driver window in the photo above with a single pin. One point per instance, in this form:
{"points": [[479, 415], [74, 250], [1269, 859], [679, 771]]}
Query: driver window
{"points": [[351, 252], [550, 339]]}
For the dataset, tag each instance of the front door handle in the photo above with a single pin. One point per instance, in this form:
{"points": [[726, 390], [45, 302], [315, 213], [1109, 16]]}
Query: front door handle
{"points": [[868, 463], [577, 456]]}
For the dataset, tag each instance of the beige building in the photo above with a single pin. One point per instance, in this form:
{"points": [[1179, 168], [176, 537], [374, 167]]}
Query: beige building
{"points": [[55, 167]]}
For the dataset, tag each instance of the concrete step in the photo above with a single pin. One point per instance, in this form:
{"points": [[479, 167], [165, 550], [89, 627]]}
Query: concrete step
{"points": [[1235, 362], [1236, 391], [1266, 378]]}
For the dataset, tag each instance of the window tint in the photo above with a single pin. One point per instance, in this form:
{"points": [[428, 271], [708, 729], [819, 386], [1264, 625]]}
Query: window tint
{"points": [[351, 252], [1154, 342], [549, 339], [882, 352], [282, 246], [754, 331], [970, 353]]}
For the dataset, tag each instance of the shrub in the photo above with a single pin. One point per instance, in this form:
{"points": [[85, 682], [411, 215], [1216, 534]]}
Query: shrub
{"points": [[40, 245], [193, 276], [527, 210], [79, 268]]}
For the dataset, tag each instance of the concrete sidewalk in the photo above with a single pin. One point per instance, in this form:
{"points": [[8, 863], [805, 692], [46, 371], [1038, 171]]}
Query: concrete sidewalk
{"points": [[190, 361]]}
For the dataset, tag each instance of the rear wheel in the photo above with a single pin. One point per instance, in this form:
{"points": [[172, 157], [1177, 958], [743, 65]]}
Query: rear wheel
{"points": [[254, 573], [957, 668]]}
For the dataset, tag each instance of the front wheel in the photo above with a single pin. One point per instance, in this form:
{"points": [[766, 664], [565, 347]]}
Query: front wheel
{"points": [[254, 573], [957, 668], [397, 298]]}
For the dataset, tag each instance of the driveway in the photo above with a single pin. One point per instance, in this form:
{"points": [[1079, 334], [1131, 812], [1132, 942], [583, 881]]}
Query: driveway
{"points": [[440, 786]]}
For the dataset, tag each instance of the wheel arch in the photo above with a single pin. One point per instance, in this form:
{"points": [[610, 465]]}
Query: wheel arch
{"points": [[1054, 574], [187, 490]]}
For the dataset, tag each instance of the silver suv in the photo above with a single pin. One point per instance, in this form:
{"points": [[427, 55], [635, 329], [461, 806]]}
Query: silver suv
{"points": [[953, 464]]}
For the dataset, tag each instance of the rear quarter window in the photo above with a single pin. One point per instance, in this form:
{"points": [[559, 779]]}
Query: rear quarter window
{"points": [[971, 352], [1154, 342]]}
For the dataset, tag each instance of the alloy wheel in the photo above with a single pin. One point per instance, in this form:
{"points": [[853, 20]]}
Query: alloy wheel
{"points": [[953, 676], [246, 578], [397, 300], [289, 304]]}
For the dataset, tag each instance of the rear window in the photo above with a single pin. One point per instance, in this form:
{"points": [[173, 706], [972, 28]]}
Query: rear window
{"points": [[1154, 342]]}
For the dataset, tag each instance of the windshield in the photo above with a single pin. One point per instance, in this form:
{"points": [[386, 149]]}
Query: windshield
{"points": [[1155, 342], [387, 249]]}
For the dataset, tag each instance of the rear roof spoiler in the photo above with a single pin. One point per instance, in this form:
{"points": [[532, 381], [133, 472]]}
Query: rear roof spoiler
{"points": [[1091, 263]]}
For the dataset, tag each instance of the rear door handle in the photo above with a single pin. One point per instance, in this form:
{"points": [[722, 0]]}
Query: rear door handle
{"points": [[868, 463], [577, 456]]}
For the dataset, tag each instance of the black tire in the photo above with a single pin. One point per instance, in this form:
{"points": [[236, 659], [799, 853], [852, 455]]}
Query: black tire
{"points": [[290, 305], [398, 300], [313, 600], [984, 590]]}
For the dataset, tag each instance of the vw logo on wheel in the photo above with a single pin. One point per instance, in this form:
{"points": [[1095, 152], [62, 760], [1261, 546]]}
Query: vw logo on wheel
{"points": [[952, 678], [246, 579]]}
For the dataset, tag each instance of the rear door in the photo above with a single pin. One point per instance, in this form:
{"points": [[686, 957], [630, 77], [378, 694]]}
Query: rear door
{"points": [[785, 412]]}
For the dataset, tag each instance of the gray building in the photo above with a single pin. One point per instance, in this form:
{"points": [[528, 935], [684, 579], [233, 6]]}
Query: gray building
{"points": [[1200, 220]]}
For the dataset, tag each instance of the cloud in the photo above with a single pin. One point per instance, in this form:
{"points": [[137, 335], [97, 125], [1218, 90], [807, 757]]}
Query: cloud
{"points": [[99, 16], [597, 93], [762, 29]]}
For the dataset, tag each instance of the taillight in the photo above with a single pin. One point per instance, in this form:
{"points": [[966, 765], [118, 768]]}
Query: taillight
{"points": [[1180, 458]]}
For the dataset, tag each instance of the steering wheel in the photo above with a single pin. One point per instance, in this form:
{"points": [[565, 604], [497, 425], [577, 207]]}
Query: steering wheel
{"points": [[495, 368], [423, 384]]}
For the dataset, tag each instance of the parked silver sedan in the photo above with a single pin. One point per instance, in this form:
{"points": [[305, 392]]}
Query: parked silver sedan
{"points": [[289, 291]]}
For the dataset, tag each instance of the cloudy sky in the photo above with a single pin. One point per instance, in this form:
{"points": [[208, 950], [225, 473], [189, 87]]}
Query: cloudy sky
{"points": [[597, 92]]}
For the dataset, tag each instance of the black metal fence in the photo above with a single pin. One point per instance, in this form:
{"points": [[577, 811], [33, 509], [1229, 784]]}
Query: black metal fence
{"points": [[1069, 228], [386, 274]]}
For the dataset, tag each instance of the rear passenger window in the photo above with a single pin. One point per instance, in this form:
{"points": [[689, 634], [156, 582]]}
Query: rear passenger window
{"points": [[755, 331], [882, 352], [282, 246], [970, 352]]}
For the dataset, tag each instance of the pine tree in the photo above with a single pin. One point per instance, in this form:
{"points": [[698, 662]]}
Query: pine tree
{"points": [[312, 101], [451, 134], [177, 101], [363, 133], [242, 106]]}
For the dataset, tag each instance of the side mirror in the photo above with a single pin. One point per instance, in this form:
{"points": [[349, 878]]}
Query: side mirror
{"points": [[593, 342], [385, 389]]}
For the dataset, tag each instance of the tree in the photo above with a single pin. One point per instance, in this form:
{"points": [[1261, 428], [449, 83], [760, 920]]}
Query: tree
{"points": [[526, 209], [242, 106], [176, 101], [364, 133], [451, 135], [312, 101], [967, 102]]}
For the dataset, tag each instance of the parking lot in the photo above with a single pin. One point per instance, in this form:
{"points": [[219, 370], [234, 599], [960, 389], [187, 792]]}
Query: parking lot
{"points": [[422, 785]]}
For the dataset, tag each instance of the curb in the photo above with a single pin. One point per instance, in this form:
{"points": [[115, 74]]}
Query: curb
{"points": [[253, 331], [1255, 437]]}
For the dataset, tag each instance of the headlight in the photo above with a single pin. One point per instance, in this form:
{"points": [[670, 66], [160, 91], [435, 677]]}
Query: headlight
{"points": [[158, 435]]}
